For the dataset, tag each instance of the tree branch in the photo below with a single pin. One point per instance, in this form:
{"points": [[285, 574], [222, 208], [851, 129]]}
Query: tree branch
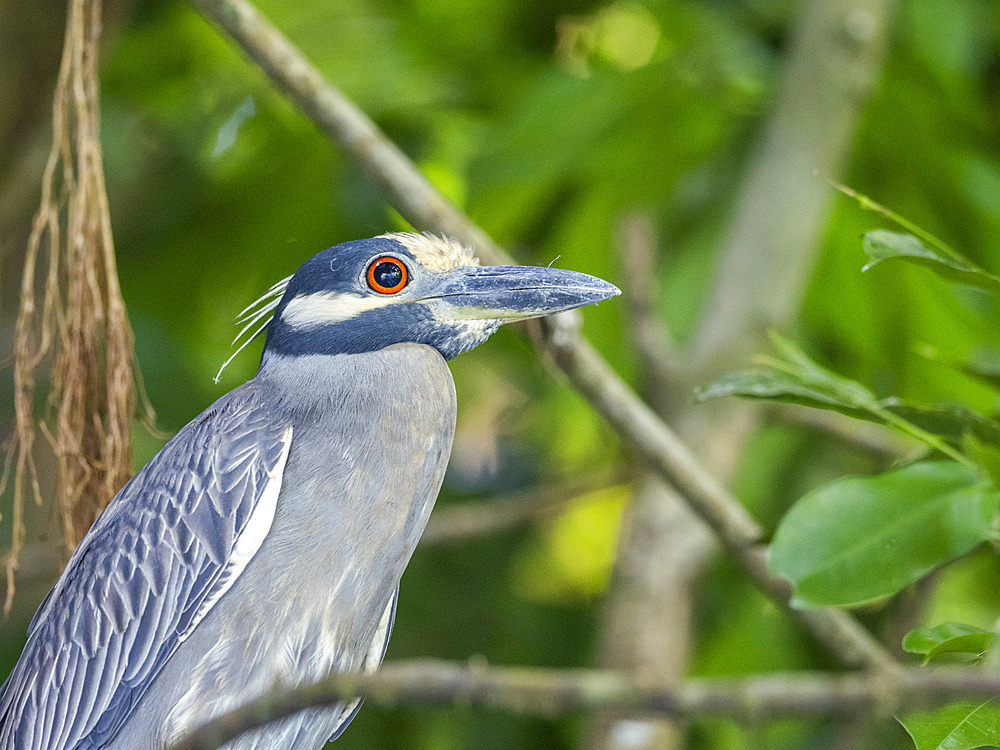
{"points": [[454, 523], [550, 692], [423, 205]]}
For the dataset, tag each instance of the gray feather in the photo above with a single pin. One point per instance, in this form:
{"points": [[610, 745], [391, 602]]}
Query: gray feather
{"points": [[125, 654], [115, 615]]}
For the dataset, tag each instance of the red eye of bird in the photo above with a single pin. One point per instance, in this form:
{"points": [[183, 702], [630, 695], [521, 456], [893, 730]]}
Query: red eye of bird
{"points": [[387, 275]]}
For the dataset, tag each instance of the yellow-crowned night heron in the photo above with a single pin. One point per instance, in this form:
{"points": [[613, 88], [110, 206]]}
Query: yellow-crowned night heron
{"points": [[263, 545]]}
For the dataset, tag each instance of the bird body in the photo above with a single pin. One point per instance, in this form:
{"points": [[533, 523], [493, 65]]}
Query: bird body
{"points": [[264, 544], [305, 606]]}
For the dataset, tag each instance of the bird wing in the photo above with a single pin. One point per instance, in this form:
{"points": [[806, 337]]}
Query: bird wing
{"points": [[373, 658], [164, 551]]}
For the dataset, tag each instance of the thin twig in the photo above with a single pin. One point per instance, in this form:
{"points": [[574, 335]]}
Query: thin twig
{"points": [[455, 523], [551, 692], [417, 200]]}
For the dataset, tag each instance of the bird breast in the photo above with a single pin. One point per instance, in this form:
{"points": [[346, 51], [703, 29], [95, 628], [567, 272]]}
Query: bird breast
{"points": [[371, 438]]}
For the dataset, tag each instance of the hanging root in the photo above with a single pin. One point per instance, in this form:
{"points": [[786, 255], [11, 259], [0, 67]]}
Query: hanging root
{"points": [[81, 329]]}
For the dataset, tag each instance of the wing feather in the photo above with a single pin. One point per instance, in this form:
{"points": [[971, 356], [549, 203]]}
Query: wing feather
{"points": [[166, 549], [376, 653]]}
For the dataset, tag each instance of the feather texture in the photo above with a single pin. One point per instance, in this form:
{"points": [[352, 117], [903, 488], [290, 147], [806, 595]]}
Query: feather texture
{"points": [[168, 546]]}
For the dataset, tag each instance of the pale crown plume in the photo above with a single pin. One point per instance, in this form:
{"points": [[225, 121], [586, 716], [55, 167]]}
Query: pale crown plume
{"points": [[433, 252]]}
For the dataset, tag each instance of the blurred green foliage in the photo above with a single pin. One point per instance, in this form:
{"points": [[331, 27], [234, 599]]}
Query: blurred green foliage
{"points": [[546, 121], [861, 540]]}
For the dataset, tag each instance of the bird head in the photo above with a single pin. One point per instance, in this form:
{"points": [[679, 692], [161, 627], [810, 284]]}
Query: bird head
{"points": [[367, 294]]}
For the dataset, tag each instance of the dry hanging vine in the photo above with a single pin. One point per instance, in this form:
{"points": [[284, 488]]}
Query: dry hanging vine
{"points": [[79, 323]]}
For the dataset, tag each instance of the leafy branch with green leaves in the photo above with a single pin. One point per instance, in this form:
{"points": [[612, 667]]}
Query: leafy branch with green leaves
{"points": [[862, 539]]}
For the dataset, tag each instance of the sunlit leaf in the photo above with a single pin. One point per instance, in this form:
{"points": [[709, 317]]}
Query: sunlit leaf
{"points": [[858, 539], [959, 726], [881, 245], [949, 638]]}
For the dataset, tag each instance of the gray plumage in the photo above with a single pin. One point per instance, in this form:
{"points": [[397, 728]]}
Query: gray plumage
{"points": [[263, 545]]}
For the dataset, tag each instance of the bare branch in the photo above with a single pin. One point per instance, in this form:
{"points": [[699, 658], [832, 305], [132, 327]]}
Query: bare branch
{"points": [[551, 692], [424, 206], [452, 523]]}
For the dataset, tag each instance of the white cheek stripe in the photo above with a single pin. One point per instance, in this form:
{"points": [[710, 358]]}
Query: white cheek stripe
{"points": [[327, 308]]}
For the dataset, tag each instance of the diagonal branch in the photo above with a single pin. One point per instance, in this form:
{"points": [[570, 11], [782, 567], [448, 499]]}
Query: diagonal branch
{"points": [[829, 71], [416, 199], [550, 692]]}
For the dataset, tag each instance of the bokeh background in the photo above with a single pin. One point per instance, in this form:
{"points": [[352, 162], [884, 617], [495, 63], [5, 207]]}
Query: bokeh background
{"points": [[551, 123]]}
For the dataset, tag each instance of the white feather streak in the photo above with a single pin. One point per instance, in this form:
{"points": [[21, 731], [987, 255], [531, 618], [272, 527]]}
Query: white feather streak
{"points": [[374, 656], [326, 308], [250, 538], [251, 314]]}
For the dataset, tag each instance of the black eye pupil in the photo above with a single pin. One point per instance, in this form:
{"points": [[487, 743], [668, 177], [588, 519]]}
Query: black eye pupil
{"points": [[387, 274]]}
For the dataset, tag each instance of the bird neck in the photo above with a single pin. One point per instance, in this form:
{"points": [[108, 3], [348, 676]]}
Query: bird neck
{"points": [[358, 332], [306, 382]]}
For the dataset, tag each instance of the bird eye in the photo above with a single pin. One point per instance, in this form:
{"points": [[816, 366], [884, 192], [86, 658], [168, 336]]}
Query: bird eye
{"points": [[387, 275]]}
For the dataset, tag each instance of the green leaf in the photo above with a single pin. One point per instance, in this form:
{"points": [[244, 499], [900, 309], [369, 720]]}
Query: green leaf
{"points": [[881, 244], [951, 638], [953, 423], [775, 385], [797, 379], [958, 726], [858, 539]]}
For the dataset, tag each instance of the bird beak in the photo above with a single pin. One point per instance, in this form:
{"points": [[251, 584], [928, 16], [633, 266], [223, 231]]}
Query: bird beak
{"points": [[511, 293]]}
